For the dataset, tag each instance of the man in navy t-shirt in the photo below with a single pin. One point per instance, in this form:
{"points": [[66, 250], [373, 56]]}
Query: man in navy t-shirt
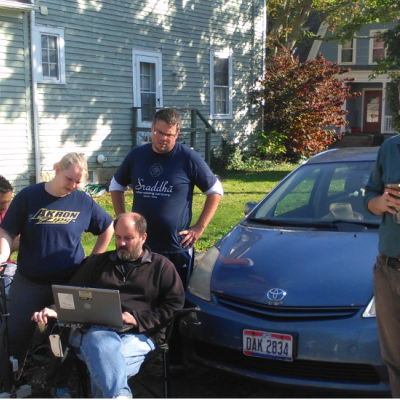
{"points": [[163, 175]]}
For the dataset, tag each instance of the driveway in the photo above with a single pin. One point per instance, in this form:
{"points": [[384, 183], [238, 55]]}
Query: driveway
{"points": [[195, 381]]}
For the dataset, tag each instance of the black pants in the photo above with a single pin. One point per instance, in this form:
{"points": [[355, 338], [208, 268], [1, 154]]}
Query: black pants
{"points": [[26, 297], [183, 263]]}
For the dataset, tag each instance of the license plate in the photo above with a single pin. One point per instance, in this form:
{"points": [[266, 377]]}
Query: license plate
{"points": [[268, 344]]}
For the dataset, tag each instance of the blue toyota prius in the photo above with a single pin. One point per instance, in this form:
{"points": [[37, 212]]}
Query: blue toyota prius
{"points": [[287, 295]]}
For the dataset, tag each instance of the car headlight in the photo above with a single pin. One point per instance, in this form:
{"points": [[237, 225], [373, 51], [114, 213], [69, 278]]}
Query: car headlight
{"points": [[200, 281], [370, 311]]}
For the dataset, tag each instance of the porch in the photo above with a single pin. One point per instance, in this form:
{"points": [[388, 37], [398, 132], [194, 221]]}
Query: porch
{"points": [[369, 113]]}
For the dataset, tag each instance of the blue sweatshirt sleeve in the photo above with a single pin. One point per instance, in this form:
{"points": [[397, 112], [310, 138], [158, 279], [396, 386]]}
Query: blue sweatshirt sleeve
{"points": [[375, 186]]}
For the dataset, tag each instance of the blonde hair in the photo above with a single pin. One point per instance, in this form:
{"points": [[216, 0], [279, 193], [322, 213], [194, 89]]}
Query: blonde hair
{"points": [[76, 159]]}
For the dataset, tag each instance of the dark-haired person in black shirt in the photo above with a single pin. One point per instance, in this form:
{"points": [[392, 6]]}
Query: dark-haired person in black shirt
{"points": [[6, 192]]}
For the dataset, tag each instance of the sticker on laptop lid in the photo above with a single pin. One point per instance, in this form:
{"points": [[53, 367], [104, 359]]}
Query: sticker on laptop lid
{"points": [[85, 295], [66, 301]]}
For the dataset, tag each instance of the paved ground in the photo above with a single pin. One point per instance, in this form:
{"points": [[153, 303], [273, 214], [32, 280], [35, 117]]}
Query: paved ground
{"points": [[195, 381], [189, 381]]}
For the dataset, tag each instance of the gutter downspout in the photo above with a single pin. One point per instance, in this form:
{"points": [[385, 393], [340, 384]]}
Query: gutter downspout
{"points": [[35, 110], [264, 50]]}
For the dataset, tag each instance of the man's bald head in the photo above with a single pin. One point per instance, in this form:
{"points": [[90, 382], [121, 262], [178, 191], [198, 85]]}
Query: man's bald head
{"points": [[134, 219], [130, 236]]}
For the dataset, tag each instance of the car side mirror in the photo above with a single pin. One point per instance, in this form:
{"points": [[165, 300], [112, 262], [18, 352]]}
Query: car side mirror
{"points": [[249, 206]]}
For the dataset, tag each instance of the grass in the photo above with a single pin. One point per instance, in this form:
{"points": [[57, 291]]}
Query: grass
{"points": [[239, 188]]}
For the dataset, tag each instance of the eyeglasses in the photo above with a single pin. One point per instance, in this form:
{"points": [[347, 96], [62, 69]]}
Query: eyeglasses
{"points": [[166, 135]]}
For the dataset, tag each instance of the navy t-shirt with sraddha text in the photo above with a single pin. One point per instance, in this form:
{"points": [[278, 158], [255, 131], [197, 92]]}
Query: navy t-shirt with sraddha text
{"points": [[51, 228], [163, 190]]}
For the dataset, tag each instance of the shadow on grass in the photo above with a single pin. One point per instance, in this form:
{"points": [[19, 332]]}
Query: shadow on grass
{"points": [[252, 177]]}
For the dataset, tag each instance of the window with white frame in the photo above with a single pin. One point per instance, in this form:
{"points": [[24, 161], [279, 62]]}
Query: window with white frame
{"points": [[347, 52], [49, 54], [221, 84], [376, 47], [147, 84]]}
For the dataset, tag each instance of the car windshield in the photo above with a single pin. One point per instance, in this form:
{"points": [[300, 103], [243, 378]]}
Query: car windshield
{"points": [[319, 195]]}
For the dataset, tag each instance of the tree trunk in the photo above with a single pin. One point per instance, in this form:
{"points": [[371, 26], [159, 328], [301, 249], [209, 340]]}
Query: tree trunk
{"points": [[304, 9]]}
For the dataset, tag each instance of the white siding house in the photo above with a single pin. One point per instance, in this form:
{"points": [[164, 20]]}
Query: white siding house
{"points": [[71, 73]]}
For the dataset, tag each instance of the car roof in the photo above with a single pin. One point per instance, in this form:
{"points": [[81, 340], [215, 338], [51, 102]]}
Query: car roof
{"points": [[345, 155]]}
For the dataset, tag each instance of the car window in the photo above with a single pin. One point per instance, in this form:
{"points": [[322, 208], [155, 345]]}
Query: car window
{"points": [[336, 185], [320, 192], [299, 195]]}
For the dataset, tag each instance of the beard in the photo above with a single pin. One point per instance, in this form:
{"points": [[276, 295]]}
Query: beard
{"points": [[125, 254]]}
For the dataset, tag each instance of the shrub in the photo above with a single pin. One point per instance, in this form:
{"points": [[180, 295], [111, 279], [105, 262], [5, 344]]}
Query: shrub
{"points": [[230, 157], [271, 143], [390, 65], [302, 101]]}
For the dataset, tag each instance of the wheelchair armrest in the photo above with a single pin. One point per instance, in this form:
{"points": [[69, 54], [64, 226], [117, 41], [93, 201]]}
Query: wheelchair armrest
{"points": [[182, 312], [185, 311], [178, 314]]}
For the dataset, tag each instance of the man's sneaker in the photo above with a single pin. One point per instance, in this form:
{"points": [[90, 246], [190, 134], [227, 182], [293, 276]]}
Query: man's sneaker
{"points": [[60, 393]]}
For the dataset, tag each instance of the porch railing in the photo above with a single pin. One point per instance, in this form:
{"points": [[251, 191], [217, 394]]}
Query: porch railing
{"points": [[190, 116], [389, 128]]}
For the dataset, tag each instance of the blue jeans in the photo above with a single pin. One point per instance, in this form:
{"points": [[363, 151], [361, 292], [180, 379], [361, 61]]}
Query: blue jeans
{"points": [[9, 273], [111, 359]]}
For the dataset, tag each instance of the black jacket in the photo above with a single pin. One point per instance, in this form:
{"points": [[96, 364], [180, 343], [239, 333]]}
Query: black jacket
{"points": [[151, 290]]}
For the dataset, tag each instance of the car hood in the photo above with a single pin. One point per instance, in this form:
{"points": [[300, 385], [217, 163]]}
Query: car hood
{"points": [[314, 268]]}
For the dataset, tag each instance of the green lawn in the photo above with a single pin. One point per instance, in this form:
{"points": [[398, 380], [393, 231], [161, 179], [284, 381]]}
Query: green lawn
{"points": [[239, 187]]}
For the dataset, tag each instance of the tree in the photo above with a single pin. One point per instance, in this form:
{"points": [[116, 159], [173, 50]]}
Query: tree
{"points": [[302, 101], [391, 65], [287, 18]]}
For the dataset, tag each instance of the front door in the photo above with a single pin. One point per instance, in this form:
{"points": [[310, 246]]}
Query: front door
{"points": [[372, 111], [147, 88]]}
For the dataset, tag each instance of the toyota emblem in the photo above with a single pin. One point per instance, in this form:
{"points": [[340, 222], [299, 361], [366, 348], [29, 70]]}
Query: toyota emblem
{"points": [[276, 294]]}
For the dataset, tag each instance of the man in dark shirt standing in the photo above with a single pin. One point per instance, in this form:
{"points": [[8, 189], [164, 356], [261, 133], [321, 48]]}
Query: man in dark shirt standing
{"points": [[150, 291], [163, 174], [383, 200]]}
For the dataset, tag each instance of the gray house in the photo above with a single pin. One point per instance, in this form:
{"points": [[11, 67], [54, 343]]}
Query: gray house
{"points": [[370, 112], [85, 76]]}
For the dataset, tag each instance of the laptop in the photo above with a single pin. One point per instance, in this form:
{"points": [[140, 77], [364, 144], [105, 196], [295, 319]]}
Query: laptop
{"points": [[82, 307]]}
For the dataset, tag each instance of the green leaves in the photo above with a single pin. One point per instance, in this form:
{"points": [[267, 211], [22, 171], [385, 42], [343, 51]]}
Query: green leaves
{"points": [[390, 65], [286, 19]]}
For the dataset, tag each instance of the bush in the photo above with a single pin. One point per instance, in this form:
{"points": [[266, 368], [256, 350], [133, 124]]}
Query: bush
{"points": [[271, 143], [230, 157], [390, 65], [302, 101], [394, 102]]}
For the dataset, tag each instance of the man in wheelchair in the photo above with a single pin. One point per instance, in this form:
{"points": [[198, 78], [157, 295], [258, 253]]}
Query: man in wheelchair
{"points": [[151, 291]]}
